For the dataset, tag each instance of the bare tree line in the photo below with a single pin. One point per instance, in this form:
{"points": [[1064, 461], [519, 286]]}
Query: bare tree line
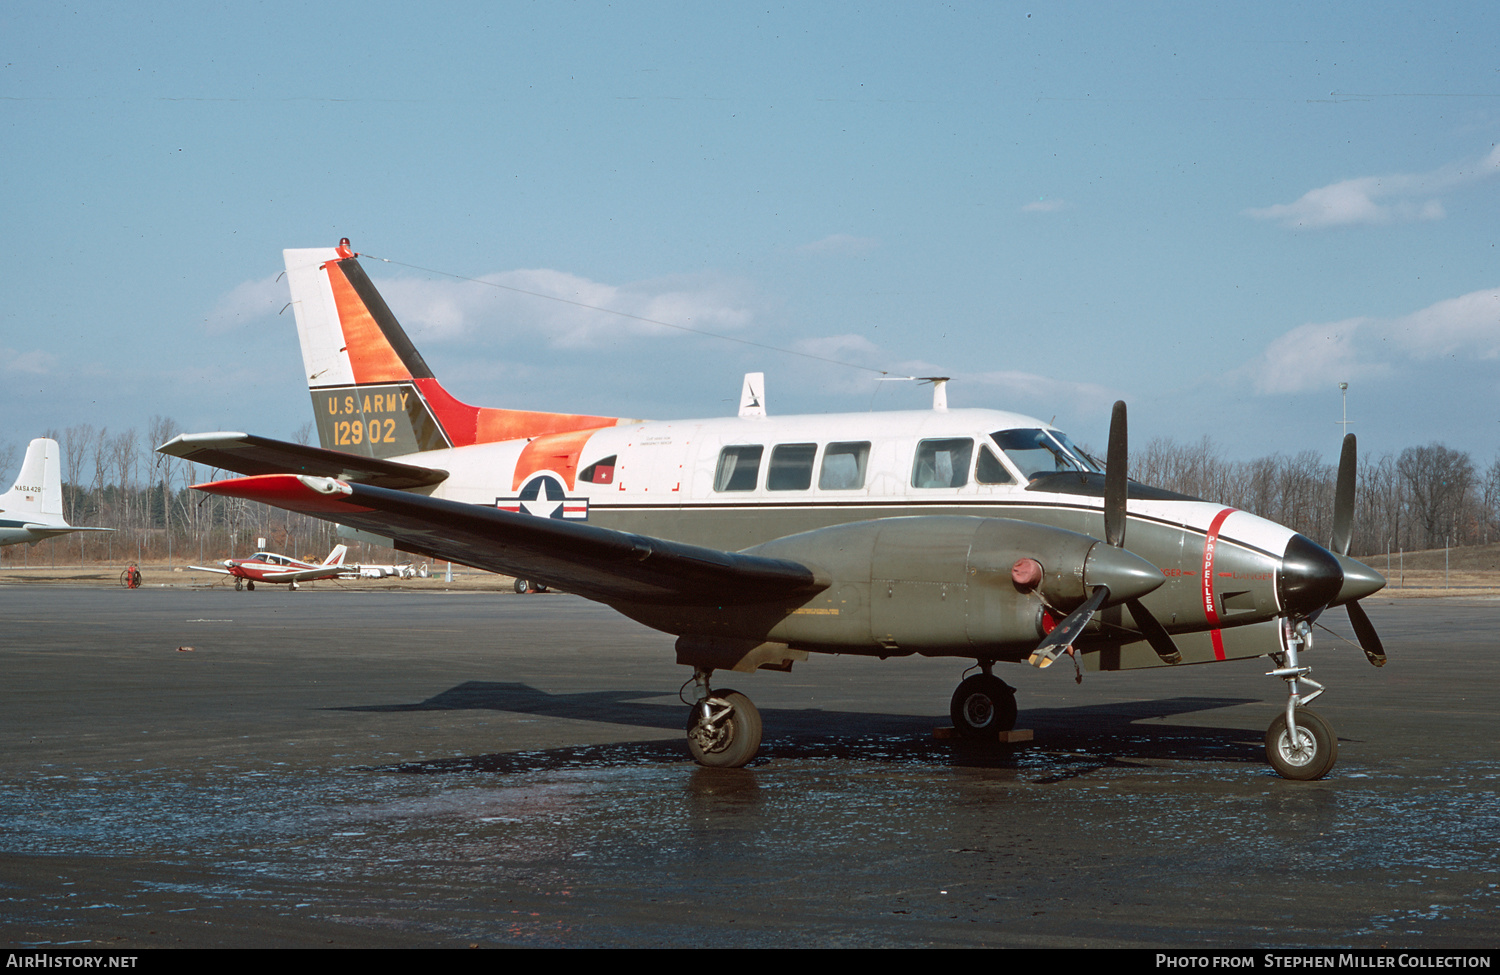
{"points": [[1423, 498]]}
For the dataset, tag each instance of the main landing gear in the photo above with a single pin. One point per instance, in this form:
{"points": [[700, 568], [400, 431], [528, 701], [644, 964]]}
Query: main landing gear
{"points": [[984, 706], [241, 583], [1300, 744], [723, 728]]}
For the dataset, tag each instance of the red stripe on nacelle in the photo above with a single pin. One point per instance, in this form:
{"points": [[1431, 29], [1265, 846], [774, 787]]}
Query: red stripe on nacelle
{"points": [[1210, 542]]}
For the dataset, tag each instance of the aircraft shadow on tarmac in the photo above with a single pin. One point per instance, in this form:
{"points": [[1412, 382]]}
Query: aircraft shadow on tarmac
{"points": [[1089, 736]]}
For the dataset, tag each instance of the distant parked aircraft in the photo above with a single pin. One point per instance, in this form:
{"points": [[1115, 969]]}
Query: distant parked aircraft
{"points": [[32, 509]]}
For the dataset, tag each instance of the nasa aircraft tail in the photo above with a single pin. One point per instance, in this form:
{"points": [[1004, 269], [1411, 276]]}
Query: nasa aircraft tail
{"points": [[36, 497], [372, 392]]}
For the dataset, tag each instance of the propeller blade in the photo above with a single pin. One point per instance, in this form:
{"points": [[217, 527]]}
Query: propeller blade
{"points": [[1154, 632], [1343, 498], [1116, 463], [1369, 640], [1063, 634]]}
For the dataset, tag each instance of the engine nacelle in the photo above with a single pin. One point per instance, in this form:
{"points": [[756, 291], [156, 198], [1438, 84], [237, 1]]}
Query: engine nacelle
{"points": [[937, 585]]}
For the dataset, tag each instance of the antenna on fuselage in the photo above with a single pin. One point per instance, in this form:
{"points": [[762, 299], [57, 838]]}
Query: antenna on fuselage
{"points": [[753, 395], [939, 392], [939, 388]]}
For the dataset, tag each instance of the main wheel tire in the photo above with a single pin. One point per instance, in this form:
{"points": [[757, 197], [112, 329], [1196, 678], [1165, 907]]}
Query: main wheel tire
{"points": [[734, 741], [522, 587], [1311, 755], [250, 584], [983, 707]]}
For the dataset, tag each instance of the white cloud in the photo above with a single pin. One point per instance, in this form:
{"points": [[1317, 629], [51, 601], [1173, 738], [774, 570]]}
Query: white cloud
{"points": [[1320, 354], [840, 245], [249, 302], [1027, 390], [1398, 198], [538, 306], [36, 362], [515, 306]]}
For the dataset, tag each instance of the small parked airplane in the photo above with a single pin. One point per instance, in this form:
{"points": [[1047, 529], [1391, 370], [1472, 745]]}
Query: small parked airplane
{"points": [[33, 508], [279, 569], [759, 539], [403, 571]]}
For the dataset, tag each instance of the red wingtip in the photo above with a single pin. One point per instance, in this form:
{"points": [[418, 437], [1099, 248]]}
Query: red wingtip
{"points": [[286, 491], [345, 251]]}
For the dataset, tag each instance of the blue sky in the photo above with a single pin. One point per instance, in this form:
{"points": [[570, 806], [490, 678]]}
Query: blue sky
{"points": [[1214, 212]]}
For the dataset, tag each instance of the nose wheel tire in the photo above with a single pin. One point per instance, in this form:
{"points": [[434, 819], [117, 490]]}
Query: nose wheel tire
{"points": [[982, 707], [1310, 755], [729, 735]]}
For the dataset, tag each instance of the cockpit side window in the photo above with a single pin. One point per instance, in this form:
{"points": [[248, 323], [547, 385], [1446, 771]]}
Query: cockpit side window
{"points": [[989, 470], [739, 468], [1037, 452], [942, 463], [844, 466]]}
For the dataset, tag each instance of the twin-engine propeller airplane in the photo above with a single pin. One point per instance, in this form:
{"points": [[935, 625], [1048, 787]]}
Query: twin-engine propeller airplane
{"points": [[757, 539], [280, 569], [33, 507]]}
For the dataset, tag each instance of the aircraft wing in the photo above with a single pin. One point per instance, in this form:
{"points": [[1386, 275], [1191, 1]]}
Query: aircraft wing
{"points": [[209, 568], [245, 453], [598, 563]]}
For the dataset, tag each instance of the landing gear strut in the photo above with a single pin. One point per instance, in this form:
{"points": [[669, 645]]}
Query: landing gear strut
{"points": [[723, 728], [1300, 744], [983, 706]]}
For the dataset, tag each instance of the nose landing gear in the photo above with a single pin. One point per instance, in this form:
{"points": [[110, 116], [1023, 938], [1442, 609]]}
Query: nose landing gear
{"points": [[1300, 744]]}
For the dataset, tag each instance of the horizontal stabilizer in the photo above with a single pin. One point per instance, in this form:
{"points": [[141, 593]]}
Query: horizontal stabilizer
{"points": [[598, 563], [246, 453]]}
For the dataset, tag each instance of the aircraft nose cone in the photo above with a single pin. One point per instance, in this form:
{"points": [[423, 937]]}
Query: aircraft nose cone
{"points": [[1359, 580], [1309, 577], [1127, 575]]}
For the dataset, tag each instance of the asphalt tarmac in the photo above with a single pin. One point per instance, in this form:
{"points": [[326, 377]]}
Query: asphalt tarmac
{"points": [[208, 768]]}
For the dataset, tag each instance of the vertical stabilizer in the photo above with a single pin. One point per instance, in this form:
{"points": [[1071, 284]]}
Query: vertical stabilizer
{"points": [[336, 557], [37, 494], [372, 392]]}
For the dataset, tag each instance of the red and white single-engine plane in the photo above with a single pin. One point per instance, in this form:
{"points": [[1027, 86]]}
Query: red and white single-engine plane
{"points": [[280, 569], [757, 540]]}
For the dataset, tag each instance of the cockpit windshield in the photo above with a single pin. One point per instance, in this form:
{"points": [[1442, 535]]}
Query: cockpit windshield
{"points": [[1038, 452]]}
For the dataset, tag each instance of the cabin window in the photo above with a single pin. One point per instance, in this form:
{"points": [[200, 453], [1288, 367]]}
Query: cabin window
{"points": [[739, 468], [599, 472], [942, 463], [791, 467], [989, 470], [844, 466]]}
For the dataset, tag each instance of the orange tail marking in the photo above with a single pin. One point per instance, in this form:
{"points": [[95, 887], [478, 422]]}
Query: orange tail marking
{"points": [[370, 355]]}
